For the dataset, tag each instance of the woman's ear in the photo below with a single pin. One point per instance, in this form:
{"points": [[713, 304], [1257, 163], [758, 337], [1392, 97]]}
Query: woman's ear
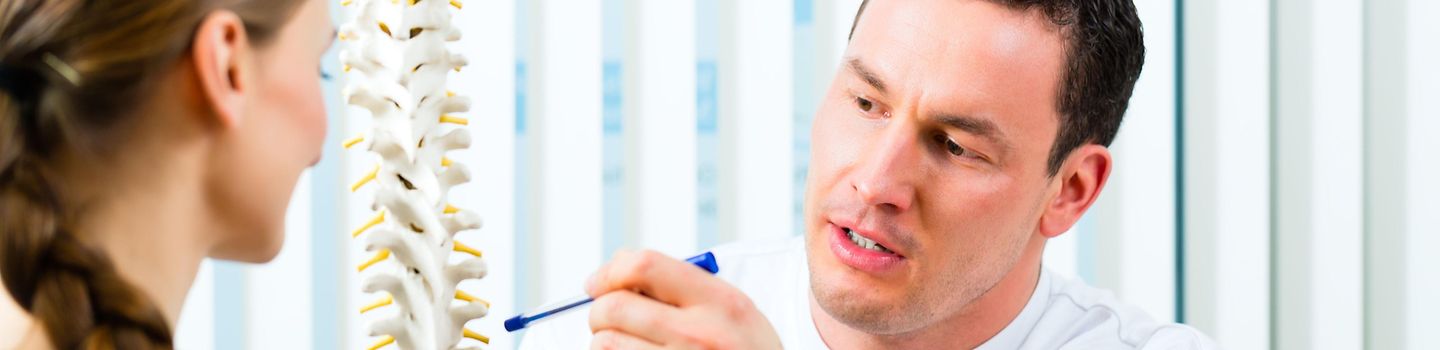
{"points": [[218, 53], [1080, 180]]}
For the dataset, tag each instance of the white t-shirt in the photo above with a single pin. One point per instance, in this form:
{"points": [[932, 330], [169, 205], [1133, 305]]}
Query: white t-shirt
{"points": [[1061, 314]]}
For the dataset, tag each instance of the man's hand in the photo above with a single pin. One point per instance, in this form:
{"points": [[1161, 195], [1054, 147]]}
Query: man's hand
{"points": [[646, 300]]}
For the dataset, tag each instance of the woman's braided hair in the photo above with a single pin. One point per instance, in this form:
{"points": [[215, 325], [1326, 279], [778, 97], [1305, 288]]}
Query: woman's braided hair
{"points": [[69, 70]]}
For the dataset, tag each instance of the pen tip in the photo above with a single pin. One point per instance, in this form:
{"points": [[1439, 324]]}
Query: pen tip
{"points": [[515, 323]]}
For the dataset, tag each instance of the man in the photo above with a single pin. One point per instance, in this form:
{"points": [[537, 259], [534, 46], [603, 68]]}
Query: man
{"points": [[957, 137]]}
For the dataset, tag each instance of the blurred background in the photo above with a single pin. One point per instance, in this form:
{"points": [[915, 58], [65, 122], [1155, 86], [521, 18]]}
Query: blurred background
{"points": [[1270, 186]]}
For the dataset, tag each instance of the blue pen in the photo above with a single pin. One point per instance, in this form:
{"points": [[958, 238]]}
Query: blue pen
{"points": [[704, 261]]}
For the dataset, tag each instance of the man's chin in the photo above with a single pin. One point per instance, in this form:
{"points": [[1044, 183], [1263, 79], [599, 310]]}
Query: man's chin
{"points": [[865, 308]]}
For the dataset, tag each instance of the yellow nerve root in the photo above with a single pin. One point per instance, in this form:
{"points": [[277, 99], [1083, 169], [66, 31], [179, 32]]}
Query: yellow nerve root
{"points": [[354, 141], [472, 335], [456, 3], [386, 341], [450, 209], [460, 294], [382, 255], [454, 120], [461, 247], [365, 180], [382, 302], [376, 221], [445, 161]]}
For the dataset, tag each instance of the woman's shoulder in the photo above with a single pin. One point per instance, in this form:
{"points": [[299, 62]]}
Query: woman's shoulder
{"points": [[20, 332], [25, 334]]}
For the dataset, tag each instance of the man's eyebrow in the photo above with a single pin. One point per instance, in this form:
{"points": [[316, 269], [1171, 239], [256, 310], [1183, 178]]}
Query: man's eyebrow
{"points": [[865, 73], [977, 126]]}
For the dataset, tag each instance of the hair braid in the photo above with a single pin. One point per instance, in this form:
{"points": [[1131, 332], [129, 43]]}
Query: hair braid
{"points": [[70, 288]]}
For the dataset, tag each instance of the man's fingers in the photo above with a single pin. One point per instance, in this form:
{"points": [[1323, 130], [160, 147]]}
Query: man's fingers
{"points": [[667, 279], [633, 314], [611, 339]]}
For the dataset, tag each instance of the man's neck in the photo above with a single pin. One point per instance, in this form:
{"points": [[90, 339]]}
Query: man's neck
{"points": [[975, 324]]}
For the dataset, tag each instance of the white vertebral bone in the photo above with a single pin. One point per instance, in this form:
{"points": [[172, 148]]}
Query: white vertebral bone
{"points": [[398, 62]]}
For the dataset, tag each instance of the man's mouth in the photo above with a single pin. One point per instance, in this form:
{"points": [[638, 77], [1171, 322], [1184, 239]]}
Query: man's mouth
{"points": [[866, 243], [866, 254]]}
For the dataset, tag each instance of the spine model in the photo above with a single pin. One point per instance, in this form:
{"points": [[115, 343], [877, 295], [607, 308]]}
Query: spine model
{"points": [[398, 61]]}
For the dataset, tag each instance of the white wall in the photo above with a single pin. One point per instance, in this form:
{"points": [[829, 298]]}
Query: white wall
{"points": [[1135, 215], [1400, 144], [1318, 174], [1227, 170], [756, 73], [660, 119]]}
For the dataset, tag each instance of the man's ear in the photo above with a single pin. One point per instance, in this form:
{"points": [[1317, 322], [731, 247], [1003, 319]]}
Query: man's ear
{"points": [[1080, 180], [217, 53]]}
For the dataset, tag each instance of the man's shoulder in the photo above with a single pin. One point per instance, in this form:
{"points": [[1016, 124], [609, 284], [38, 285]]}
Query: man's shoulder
{"points": [[1081, 316]]}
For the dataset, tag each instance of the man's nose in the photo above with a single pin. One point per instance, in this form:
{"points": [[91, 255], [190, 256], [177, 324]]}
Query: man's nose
{"points": [[884, 177]]}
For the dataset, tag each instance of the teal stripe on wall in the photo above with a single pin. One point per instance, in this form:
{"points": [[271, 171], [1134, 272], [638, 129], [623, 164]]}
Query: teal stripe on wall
{"points": [[326, 293], [1180, 161], [229, 305]]}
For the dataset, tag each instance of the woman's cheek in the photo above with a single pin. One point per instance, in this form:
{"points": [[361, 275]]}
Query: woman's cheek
{"points": [[304, 111], [315, 119]]}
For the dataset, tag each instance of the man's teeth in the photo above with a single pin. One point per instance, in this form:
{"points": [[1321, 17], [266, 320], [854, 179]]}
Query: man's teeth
{"points": [[866, 242]]}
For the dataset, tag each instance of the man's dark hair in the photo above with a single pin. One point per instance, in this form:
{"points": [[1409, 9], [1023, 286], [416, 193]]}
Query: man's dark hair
{"points": [[1106, 49]]}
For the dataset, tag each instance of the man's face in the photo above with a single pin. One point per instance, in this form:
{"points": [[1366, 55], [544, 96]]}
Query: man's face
{"points": [[932, 141]]}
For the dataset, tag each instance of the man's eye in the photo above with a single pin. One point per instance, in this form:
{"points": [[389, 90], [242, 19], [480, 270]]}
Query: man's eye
{"points": [[954, 148], [864, 104], [951, 146]]}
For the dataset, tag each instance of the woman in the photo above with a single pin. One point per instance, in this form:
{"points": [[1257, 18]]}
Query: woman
{"points": [[136, 139]]}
